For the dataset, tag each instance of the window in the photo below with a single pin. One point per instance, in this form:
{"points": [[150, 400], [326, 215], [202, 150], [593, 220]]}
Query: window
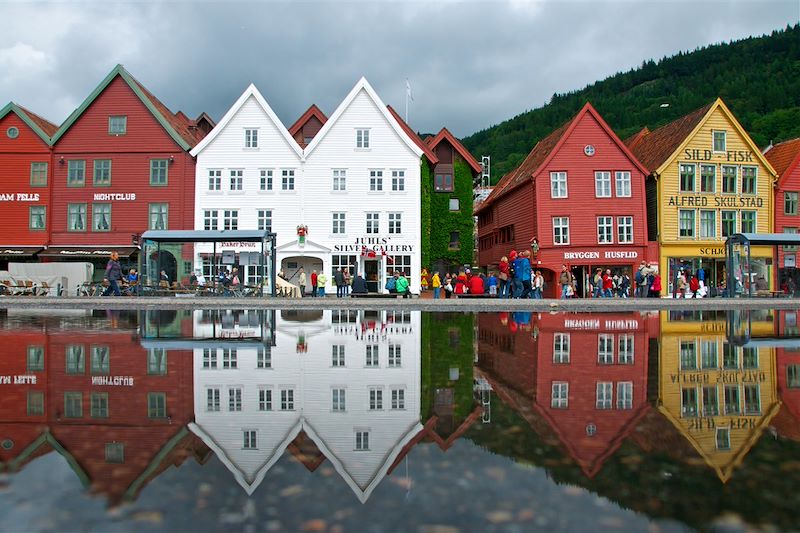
{"points": [[710, 401], [38, 174], [686, 220], [623, 184], [159, 216], [37, 218], [362, 440], [752, 399], [398, 180], [560, 230], [687, 172], [688, 355], [265, 399], [250, 138], [12, 132], [214, 180], [210, 222], [604, 396], [35, 405], [338, 401], [100, 361], [287, 399], [793, 376], [749, 180], [749, 357], [236, 180], [76, 173], [748, 221], [605, 230], [287, 179], [558, 185], [732, 400], [264, 357], [230, 219], [75, 359], [625, 349], [559, 395], [373, 220], [730, 358], [723, 438], [395, 355], [561, 348], [212, 400], [376, 180], [339, 179], [455, 205], [729, 177], [455, 241], [115, 452], [375, 399], [117, 125], [235, 399], [338, 221], [230, 358], [399, 263], [790, 203], [625, 395], [372, 356], [98, 405], [101, 217], [398, 398], [708, 355], [362, 138], [708, 224], [605, 349], [35, 359], [625, 230], [708, 178], [265, 180], [249, 441], [209, 358], [443, 183], [337, 355], [73, 404], [157, 362], [395, 223], [689, 402], [728, 223], [156, 405], [719, 141], [158, 171], [264, 219], [102, 172], [602, 184]]}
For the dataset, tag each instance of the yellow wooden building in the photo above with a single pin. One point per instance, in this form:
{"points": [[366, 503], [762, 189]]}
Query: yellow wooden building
{"points": [[719, 396], [708, 181]]}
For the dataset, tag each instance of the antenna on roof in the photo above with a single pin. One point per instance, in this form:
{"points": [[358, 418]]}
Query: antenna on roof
{"points": [[486, 170]]}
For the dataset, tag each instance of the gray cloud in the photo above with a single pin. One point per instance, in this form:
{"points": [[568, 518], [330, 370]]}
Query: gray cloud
{"points": [[471, 64]]}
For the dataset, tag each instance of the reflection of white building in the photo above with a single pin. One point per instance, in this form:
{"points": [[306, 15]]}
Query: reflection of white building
{"points": [[349, 380]]}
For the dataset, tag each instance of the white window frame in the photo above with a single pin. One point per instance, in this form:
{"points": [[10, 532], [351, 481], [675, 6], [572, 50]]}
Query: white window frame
{"points": [[210, 219], [602, 184], [398, 180], [604, 395], [559, 395], [235, 399], [704, 234], [249, 439], [376, 180], [214, 179], [338, 223], [287, 179], [395, 223], [561, 348], [362, 139], [265, 399], [625, 349], [625, 229], [624, 395], [251, 138], [398, 398], [373, 223], [605, 349], [264, 218], [237, 179], [339, 176], [375, 398], [558, 185], [230, 219], [213, 402], [622, 183], [265, 179], [338, 399], [605, 230], [561, 237], [694, 223]]}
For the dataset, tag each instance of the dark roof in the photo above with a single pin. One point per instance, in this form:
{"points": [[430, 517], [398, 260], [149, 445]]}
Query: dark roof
{"points": [[183, 125], [445, 134], [312, 111], [414, 137], [784, 156], [653, 148], [48, 127]]}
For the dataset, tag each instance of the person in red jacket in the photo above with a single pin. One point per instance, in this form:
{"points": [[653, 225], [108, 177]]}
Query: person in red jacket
{"points": [[504, 277], [694, 286], [476, 284], [313, 283], [608, 284], [461, 283]]}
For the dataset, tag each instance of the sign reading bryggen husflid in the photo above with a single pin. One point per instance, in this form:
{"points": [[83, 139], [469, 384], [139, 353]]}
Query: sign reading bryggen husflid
{"points": [[709, 181]]}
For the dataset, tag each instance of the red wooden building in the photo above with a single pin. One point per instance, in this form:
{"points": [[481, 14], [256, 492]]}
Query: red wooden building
{"points": [[785, 159], [308, 125], [581, 193], [25, 188], [121, 166]]}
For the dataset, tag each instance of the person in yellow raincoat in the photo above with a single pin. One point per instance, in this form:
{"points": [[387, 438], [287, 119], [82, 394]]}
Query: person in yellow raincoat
{"points": [[423, 284]]}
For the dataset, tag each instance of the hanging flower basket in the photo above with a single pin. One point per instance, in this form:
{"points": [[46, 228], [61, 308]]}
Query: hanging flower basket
{"points": [[302, 231]]}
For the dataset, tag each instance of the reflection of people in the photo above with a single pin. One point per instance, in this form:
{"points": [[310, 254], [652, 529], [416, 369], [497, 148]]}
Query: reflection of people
{"points": [[113, 275], [761, 284]]}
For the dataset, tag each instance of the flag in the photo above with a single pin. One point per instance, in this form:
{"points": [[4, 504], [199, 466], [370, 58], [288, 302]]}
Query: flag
{"points": [[408, 90]]}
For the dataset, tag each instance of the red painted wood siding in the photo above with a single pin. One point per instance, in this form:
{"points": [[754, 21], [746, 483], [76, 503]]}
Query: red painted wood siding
{"points": [[130, 156], [789, 183], [16, 156], [518, 209]]}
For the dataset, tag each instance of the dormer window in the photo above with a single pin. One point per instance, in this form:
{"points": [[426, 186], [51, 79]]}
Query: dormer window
{"points": [[720, 144], [117, 125], [362, 138], [251, 138]]}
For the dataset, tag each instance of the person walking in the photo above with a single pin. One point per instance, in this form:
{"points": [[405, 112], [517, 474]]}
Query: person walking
{"points": [[301, 280], [608, 284], [436, 284], [565, 279], [338, 279], [322, 280], [538, 285], [448, 285], [525, 273], [401, 286], [113, 275], [597, 283], [314, 279], [504, 277]]}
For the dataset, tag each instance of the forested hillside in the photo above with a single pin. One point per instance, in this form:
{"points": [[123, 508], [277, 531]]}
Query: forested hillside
{"points": [[758, 78]]}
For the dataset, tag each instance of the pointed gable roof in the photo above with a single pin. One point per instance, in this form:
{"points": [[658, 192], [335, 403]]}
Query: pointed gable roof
{"points": [[253, 92], [445, 134], [41, 127], [363, 85], [311, 112], [425, 147], [784, 157]]}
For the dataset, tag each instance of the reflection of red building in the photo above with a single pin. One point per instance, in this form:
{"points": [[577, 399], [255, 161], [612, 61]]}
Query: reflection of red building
{"points": [[580, 379], [788, 368], [785, 159]]}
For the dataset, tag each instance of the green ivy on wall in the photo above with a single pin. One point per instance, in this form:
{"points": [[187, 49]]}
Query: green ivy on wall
{"points": [[426, 175], [440, 221]]}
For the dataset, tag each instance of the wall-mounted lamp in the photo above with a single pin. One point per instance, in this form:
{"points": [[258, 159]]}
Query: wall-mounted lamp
{"points": [[171, 159], [61, 160]]}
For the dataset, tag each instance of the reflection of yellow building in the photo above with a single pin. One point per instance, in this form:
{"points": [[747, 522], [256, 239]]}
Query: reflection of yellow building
{"points": [[710, 181], [719, 396]]}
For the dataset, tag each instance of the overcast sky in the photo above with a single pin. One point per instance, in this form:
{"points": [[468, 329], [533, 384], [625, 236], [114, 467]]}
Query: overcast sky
{"points": [[470, 64]]}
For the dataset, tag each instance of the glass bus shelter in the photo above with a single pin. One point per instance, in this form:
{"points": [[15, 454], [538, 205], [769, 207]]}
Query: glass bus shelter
{"points": [[746, 276]]}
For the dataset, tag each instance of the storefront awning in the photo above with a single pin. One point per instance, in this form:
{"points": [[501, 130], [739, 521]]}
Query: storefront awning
{"points": [[88, 252], [20, 251]]}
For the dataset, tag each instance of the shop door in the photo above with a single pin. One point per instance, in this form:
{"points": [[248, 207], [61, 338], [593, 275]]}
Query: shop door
{"points": [[372, 275]]}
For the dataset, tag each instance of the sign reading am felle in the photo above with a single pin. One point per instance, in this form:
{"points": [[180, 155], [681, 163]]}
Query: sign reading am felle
{"points": [[19, 197]]}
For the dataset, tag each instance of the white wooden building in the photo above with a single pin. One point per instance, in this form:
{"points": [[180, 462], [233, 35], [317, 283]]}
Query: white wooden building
{"points": [[350, 380], [354, 189]]}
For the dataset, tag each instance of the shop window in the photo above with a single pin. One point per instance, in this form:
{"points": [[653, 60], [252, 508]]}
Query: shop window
{"points": [[708, 178], [687, 175], [399, 263], [790, 203], [686, 223]]}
